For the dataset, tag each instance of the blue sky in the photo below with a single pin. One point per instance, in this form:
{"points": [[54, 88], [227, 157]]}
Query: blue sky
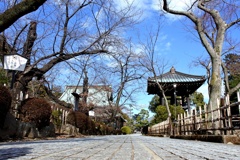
{"points": [[176, 45]]}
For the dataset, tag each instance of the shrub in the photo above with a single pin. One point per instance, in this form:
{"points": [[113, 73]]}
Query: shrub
{"points": [[97, 128], [71, 118], [87, 126], [118, 131], [36, 110], [91, 127], [5, 104], [126, 130], [56, 118], [110, 130], [82, 122]]}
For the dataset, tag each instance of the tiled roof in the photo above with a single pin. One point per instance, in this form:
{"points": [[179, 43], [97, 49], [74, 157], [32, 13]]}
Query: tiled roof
{"points": [[185, 84], [175, 77]]}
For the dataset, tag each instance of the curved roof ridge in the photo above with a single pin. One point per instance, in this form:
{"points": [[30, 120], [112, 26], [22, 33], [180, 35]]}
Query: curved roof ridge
{"points": [[175, 76], [189, 75]]}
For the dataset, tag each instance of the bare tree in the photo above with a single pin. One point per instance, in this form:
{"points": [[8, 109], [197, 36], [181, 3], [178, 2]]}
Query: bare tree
{"points": [[212, 19], [123, 72], [16, 11], [67, 29], [155, 65]]}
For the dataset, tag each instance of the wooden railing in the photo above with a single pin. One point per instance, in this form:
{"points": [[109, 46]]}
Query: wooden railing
{"points": [[63, 110], [207, 121]]}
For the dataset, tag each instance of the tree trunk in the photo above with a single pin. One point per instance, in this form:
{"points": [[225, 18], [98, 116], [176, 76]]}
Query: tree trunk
{"points": [[215, 90], [13, 14]]}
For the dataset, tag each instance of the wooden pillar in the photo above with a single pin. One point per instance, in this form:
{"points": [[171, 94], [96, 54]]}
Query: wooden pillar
{"points": [[238, 97], [188, 104]]}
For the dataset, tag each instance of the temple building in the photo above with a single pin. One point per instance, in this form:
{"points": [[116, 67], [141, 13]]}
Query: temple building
{"points": [[176, 85]]}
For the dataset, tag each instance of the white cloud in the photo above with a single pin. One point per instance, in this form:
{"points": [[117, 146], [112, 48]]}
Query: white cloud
{"points": [[168, 45], [121, 4], [180, 5]]}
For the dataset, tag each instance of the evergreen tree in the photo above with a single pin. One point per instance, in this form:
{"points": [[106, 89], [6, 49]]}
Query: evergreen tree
{"points": [[154, 103]]}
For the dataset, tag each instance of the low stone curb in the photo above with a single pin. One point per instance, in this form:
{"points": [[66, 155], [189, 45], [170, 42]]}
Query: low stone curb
{"points": [[228, 139]]}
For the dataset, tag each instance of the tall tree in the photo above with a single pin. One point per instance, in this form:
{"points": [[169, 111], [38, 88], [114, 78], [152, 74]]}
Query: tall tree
{"points": [[66, 30], [198, 100], [212, 19], [154, 103], [162, 113], [125, 71], [154, 64], [141, 119]]}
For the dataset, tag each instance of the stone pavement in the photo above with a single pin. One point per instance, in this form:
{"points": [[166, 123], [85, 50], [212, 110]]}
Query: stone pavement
{"points": [[122, 147]]}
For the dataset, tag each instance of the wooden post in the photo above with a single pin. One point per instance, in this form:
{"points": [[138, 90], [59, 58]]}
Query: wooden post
{"points": [[229, 114], [184, 130], [200, 118], [219, 116], [206, 117], [186, 122], [238, 97], [180, 124], [193, 121], [212, 124]]}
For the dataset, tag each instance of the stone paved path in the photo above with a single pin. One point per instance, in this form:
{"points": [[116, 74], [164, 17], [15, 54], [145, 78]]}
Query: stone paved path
{"points": [[124, 147]]}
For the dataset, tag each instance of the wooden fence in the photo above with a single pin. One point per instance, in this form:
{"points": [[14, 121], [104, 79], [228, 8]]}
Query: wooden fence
{"points": [[63, 110], [207, 121]]}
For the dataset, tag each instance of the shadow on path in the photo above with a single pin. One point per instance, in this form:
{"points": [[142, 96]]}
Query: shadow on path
{"points": [[15, 152]]}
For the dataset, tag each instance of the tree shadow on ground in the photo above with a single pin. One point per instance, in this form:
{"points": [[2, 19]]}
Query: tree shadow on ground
{"points": [[11, 153]]}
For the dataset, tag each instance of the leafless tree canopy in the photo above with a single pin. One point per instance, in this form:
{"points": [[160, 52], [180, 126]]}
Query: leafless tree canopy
{"points": [[56, 36]]}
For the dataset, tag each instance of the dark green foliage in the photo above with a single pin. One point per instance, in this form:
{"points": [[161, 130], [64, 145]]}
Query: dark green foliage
{"points": [[5, 103], [141, 119], [162, 114], [198, 100], [36, 110], [154, 103]]}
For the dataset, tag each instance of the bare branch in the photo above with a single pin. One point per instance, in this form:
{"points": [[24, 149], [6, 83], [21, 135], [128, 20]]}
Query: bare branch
{"points": [[11, 15]]}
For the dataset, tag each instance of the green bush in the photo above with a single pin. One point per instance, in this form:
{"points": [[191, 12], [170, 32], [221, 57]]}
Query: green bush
{"points": [[5, 104], [36, 110], [56, 118], [126, 130]]}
